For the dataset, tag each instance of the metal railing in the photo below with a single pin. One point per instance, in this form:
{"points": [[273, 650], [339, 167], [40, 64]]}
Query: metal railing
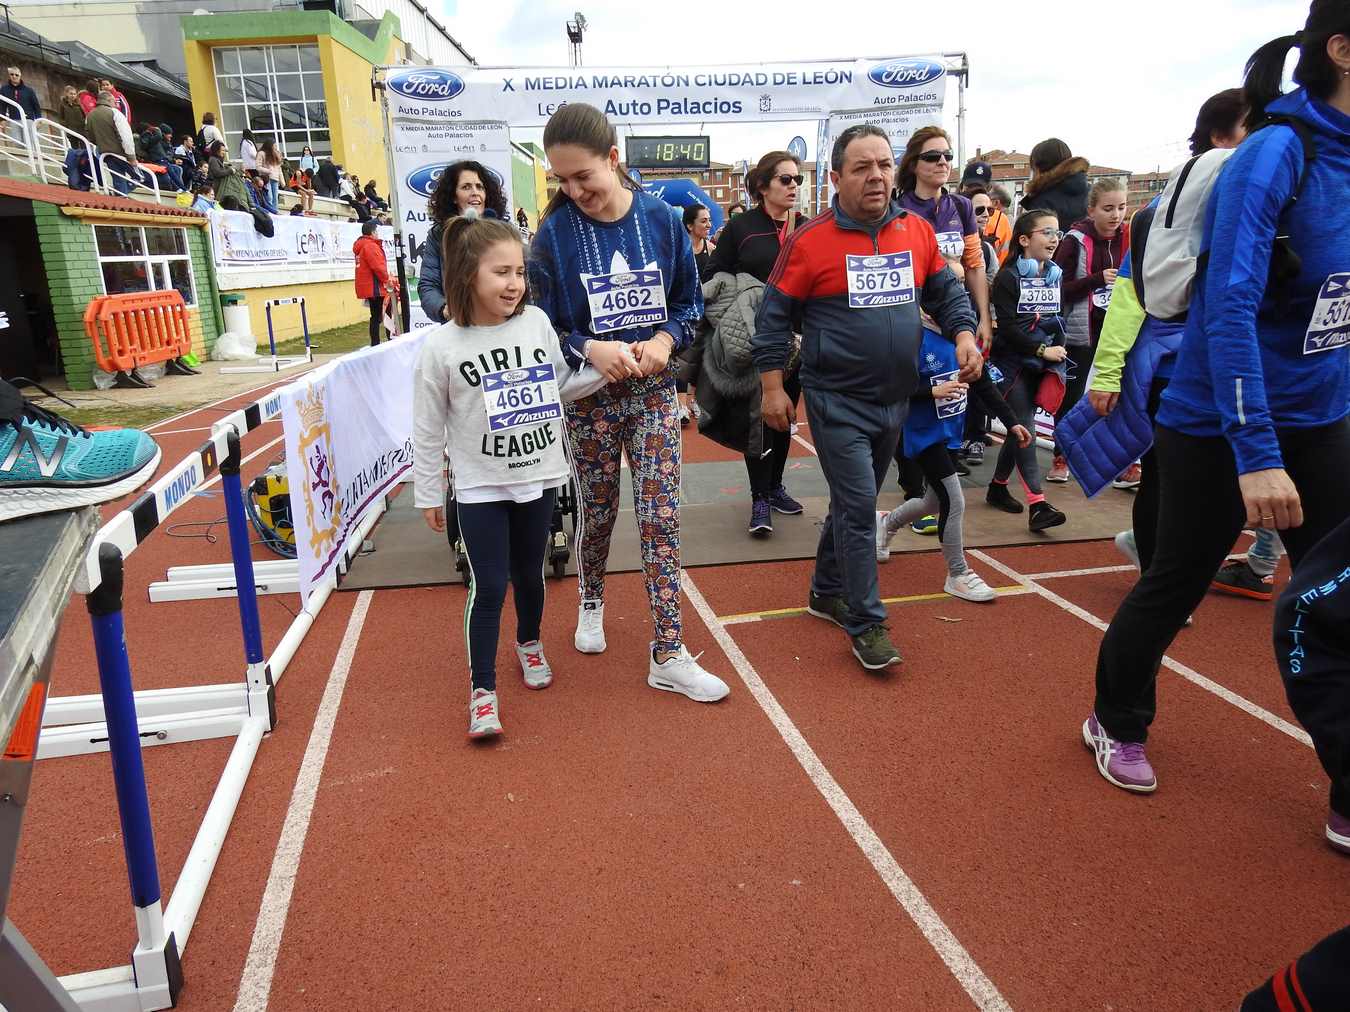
{"points": [[15, 145], [51, 142]]}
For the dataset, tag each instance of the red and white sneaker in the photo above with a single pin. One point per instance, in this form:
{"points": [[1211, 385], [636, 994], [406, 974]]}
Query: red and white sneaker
{"points": [[1129, 478], [533, 665], [1059, 470], [483, 719]]}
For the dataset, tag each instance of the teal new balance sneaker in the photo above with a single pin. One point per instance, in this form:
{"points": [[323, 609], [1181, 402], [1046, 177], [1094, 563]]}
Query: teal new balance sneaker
{"points": [[48, 463]]}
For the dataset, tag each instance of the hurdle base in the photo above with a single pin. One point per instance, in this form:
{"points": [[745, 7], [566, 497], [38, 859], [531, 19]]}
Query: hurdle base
{"points": [[272, 363], [158, 974], [92, 738], [199, 583]]}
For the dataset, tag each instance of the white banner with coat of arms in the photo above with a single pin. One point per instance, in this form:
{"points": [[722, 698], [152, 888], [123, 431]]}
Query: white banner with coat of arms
{"points": [[348, 430]]}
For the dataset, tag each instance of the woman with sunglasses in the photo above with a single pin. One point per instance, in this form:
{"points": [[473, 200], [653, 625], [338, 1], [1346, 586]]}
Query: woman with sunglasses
{"points": [[749, 244]]}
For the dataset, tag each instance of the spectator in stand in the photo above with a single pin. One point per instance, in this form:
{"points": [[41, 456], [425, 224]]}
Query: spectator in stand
{"points": [[186, 154], [260, 193], [224, 177], [326, 179], [347, 188], [248, 152], [359, 204], [209, 133], [204, 198], [373, 195], [269, 167], [1058, 184], [88, 98], [156, 148], [307, 160], [25, 97], [303, 185], [69, 114], [120, 102], [110, 133]]}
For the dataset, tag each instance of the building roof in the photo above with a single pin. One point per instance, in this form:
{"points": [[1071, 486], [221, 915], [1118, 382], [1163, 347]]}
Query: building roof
{"points": [[63, 196], [80, 59]]}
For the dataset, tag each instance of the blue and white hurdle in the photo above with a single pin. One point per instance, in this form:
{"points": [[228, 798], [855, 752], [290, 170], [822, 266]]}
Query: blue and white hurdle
{"points": [[122, 721], [275, 362]]}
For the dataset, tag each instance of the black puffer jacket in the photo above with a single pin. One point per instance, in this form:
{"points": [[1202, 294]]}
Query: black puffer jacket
{"points": [[1063, 190]]}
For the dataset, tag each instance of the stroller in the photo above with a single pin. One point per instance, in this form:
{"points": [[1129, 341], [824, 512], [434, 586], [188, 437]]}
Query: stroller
{"points": [[559, 544]]}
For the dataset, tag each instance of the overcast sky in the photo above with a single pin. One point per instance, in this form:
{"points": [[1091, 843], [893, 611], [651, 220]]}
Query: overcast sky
{"points": [[1119, 82]]}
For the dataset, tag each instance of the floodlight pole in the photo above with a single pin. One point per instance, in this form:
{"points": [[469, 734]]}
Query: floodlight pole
{"points": [[576, 28]]}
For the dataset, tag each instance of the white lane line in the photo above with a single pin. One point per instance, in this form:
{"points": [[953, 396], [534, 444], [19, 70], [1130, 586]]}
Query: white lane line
{"points": [[255, 983], [1190, 674], [1095, 571], [799, 440], [963, 967]]}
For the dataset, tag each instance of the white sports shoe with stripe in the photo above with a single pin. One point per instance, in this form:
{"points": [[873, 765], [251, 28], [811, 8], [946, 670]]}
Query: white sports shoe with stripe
{"points": [[534, 665], [683, 674], [484, 721], [590, 634]]}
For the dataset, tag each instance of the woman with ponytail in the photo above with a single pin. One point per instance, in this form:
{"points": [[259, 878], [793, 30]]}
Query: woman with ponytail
{"points": [[615, 272], [1253, 428]]}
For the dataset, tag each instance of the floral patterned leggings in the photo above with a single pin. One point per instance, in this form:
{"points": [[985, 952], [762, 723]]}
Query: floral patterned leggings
{"points": [[639, 417]]}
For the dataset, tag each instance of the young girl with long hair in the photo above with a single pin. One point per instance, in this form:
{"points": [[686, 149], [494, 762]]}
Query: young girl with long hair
{"points": [[475, 376], [1029, 352], [615, 272]]}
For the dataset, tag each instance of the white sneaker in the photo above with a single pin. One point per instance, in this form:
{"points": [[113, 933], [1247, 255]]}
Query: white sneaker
{"points": [[883, 537], [1125, 546], [590, 636], [533, 665], [969, 586], [682, 673], [483, 719]]}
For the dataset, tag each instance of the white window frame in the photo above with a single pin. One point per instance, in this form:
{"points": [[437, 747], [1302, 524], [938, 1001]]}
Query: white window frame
{"points": [[293, 147], [156, 264]]}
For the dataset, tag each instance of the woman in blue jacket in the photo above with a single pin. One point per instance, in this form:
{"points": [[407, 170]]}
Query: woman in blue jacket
{"points": [[1253, 428]]}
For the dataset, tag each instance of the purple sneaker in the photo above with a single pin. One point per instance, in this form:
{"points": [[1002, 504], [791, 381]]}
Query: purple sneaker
{"points": [[761, 523], [783, 503], [1338, 831], [1122, 763]]}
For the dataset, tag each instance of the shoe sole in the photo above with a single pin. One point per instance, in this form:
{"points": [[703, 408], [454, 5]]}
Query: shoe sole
{"points": [[1058, 480], [1126, 486], [1337, 842], [1036, 526], [926, 534], [1105, 775], [760, 532], [490, 733], [664, 685], [590, 650], [789, 513], [537, 685], [890, 662], [24, 502], [1231, 591], [966, 597], [825, 615]]}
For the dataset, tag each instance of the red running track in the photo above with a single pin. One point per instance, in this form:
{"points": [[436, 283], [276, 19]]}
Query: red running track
{"points": [[931, 839]]}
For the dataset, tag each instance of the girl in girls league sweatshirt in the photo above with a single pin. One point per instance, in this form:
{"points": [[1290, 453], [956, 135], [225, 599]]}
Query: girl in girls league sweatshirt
{"points": [[615, 272], [494, 379]]}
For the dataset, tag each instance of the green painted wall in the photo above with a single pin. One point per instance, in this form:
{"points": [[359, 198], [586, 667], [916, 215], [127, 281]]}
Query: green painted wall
{"points": [[74, 279]]}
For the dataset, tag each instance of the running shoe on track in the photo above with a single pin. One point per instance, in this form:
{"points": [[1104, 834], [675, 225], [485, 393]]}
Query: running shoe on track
{"points": [[533, 665], [874, 649], [831, 609], [1338, 831], [483, 719], [1059, 470], [48, 463], [781, 502], [1129, 478], [998, 496], [969, 586], [1125, 545], [1240, 580], [761, 523], [590, 634], [1121, 763], [924, 525], [1044, 516], [683, 674]]}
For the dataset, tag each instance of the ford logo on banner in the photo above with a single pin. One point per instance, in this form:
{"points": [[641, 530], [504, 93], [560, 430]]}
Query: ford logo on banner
{"points": [[423, 180], [906, 73], [427, 84]]}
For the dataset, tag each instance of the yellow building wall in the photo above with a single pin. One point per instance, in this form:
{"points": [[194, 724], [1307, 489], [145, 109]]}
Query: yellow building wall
{"points": [[353, 118], [201, 82], [328, 304]]}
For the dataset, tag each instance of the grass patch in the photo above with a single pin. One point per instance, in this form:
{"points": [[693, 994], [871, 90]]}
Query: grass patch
{"points": [[122, 416], [337, 341]]}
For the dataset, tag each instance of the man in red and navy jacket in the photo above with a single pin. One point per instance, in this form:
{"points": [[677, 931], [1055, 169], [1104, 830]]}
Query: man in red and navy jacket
{"points": [[856, 278]]}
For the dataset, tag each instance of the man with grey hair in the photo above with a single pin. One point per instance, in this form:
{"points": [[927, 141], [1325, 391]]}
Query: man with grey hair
{"points": [[21, 95], [856, 277]]}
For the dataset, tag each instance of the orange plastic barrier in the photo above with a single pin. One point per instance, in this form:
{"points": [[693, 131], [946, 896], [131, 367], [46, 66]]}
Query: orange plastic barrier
{"points": [[137, 328]]}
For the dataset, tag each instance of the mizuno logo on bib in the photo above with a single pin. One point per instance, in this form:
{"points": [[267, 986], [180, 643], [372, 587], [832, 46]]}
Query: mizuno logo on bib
{"points": [[1037, 295], [525, 396], [884, 279], [625, 299], [1330, 325]]}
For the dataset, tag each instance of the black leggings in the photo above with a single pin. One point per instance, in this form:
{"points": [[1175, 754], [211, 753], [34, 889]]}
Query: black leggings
{"points": [[503, 539], [766, 473], [376, 316], [1145, 510], [1075, 382], [1021, 397], [1200, 514]]}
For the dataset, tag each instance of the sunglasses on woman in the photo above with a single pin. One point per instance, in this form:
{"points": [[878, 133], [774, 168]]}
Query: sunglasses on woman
{"points": [[983, 212], [787, 180], [933, 157]]}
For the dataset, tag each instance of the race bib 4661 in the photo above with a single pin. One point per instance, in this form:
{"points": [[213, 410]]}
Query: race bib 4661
{"points": [[525, 396]]}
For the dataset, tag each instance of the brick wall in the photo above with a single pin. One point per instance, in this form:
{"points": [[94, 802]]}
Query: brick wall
{"points": [[73, 279]]}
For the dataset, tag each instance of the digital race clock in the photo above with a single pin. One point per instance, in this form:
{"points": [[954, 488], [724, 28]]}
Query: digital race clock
{"points": [[667, 152]]}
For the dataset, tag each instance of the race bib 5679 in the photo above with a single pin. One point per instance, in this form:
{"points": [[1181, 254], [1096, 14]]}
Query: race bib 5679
{"points": [[884, 279]]}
